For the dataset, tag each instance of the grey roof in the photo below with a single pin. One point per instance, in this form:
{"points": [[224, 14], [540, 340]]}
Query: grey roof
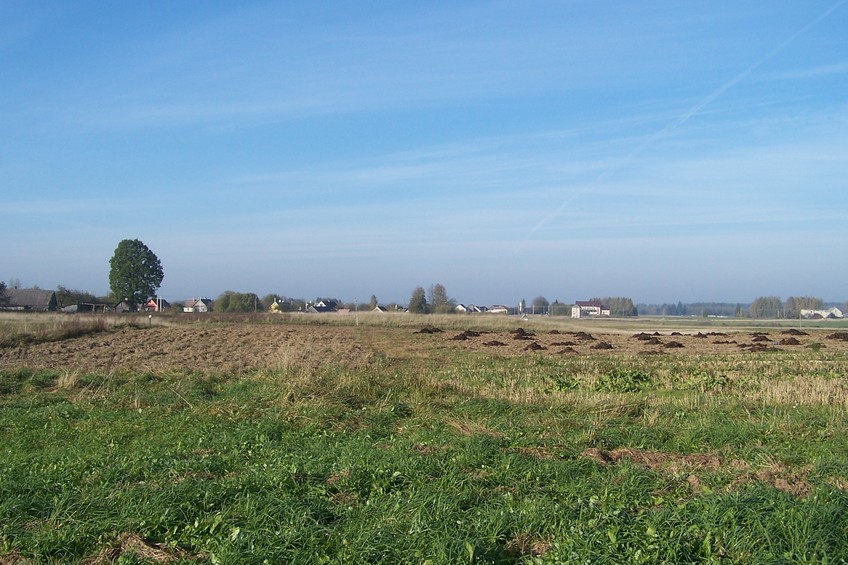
{"points": [[31, 299]]}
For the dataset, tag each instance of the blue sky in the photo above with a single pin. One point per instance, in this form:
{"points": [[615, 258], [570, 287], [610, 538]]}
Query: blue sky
{"points": [[660, 150]]}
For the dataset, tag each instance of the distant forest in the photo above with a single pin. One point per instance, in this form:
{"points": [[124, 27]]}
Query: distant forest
{"points": [[693, 309], [725, 309]]}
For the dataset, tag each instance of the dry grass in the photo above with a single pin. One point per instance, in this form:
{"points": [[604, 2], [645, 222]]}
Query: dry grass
{"points": [[68, 380], [703, 373], [133, 546], [20, 328]]}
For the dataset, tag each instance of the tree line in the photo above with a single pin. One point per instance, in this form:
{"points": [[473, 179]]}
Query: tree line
{"points": [[762, 307], [136, 273], [772, 307], [433, 301]]}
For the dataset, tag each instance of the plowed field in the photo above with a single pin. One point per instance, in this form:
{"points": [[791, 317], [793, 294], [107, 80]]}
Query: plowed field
{"points": [[239, 347]]}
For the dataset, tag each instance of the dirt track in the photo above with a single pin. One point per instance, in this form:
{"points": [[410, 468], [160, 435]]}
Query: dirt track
{"points": [[241, 347]]}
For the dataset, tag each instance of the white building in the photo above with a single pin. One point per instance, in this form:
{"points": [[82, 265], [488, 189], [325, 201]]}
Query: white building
{"points": [[589, 309], [829, 313], [197, 305]]}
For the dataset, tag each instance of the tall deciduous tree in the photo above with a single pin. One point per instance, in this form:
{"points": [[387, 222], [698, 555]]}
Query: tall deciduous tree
{"points": [[135, 272], [794, 305], [230, 301], [439, 301], [3, 297], [620, 306], [557, 308], [438, 295], [418, 301], [765, 307], [540, 305]]}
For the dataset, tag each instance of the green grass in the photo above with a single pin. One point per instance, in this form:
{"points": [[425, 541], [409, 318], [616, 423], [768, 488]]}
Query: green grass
{"points": [[463, 459]]}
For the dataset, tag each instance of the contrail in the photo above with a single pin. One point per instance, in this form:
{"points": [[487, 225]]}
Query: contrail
{"points": [[683, 118]]}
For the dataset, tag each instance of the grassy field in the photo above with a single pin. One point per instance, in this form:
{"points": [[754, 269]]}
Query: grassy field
{"points": [[377, 444]]}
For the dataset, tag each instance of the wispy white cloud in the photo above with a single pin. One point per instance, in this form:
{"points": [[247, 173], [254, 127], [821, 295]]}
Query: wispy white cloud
{"points": [[807, 73], [676, 123], [278, 63], [60, 206]]}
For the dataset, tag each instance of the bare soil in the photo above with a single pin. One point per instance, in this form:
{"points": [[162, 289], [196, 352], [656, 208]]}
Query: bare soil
{"points": [[239, 347], [219, 348], [522, 342]]}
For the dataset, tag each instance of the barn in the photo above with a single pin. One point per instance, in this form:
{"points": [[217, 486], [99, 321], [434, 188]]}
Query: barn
{"points": [[30, 300]]}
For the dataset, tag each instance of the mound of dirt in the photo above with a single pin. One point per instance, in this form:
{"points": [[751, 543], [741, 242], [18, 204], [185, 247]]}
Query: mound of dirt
{"points": [[522, 334], [674, 345], [843, 336], [429, 330], [494, 343], [759, 337], [789, 341], [584, 336], [793, 331], [758, 348], [563, 344], [534, 347], [467, 334], [567, 351], [602, 345], [650, 338]]}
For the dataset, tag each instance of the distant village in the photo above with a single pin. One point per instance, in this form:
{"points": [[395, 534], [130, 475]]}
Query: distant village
{"points": [[39, 300]]}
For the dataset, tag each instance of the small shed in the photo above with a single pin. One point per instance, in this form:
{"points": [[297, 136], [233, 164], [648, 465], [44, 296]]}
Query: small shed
{"points": [[125, 306]]}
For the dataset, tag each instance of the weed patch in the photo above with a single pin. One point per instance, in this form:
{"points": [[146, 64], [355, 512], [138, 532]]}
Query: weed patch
{"points": [[623, 380]]}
